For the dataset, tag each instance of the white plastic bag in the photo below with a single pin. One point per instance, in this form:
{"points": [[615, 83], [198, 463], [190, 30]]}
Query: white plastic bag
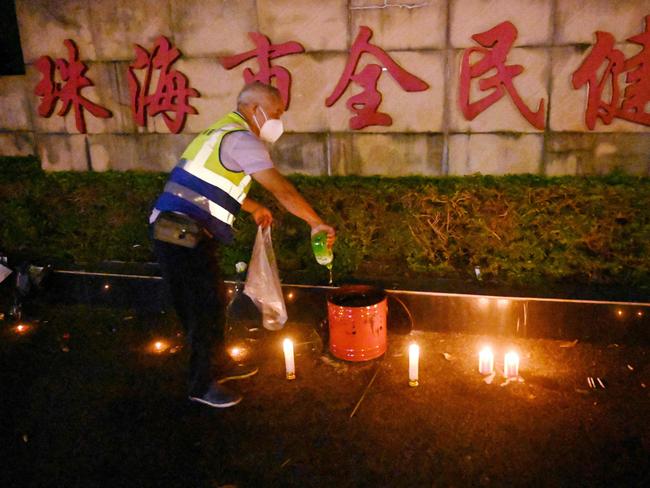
{"points": [[263, 282], [4, 272]]}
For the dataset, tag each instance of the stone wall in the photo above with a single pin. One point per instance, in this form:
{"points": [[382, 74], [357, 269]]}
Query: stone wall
{"points": [[429, 134]]}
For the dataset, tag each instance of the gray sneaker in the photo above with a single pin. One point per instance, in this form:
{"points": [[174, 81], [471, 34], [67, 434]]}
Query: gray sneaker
{"points": [[218, 396]]}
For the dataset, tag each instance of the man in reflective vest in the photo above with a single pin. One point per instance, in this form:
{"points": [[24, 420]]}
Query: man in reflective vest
{"points": [[194, 216]]}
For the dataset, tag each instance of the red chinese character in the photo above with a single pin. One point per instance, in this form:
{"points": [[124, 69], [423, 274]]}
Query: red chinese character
{"points": [[172, 90], [496, 44], [636, 94], [588, 73], [72, 73], [265, 52], [366, 103]]}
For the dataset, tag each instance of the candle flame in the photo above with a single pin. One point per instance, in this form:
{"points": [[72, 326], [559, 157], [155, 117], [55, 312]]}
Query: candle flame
{"points": [[512, 357], [159, 346], [21, 328], [237, 353]]}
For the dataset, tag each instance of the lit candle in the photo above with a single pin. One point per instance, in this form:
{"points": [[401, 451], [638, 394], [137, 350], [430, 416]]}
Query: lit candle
{"points": [[486, 361], [21, 329], [158, 347], [288, 359], [238, 353], [414, 358], [511, 365]]}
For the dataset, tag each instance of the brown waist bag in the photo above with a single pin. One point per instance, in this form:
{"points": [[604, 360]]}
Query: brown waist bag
{"points": [[177, 229]]}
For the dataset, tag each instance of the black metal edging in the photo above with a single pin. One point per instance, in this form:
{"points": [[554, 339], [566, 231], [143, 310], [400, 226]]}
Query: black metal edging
{"points": [[517, 316], [108, 275], [395, 291]]}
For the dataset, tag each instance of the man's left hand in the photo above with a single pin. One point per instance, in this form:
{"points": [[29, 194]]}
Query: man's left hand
{"points": [[262, 216]]}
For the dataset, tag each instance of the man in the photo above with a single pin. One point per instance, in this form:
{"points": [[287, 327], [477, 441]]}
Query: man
{"points": [[193, 217]]}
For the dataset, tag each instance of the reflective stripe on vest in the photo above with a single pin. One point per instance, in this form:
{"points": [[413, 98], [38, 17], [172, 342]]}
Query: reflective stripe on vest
{"points": [[200, 171], [218, 211]]}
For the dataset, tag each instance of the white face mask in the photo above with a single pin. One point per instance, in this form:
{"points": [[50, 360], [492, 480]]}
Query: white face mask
{"points": [[271, 129]]}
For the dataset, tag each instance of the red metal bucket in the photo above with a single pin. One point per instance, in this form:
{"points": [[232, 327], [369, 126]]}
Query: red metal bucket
{"points": [[357, 322]]}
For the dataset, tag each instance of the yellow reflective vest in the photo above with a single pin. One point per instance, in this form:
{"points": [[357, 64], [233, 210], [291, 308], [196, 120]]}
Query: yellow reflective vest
{"points": [[201, 187]]}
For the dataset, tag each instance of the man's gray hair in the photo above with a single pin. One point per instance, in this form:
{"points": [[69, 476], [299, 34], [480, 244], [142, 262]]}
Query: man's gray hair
{"points": [[257, 92]]}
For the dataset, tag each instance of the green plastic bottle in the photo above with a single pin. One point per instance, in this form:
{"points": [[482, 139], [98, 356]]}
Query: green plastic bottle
{"points": [[322, 252]]}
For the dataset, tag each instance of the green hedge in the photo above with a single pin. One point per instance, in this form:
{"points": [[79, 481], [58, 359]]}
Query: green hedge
{"points": [[520, 230]]}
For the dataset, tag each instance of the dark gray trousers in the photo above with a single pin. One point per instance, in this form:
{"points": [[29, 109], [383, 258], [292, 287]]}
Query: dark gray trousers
{"points": [[199, 297]]}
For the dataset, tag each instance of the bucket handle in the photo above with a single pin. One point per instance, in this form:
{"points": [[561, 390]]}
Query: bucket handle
{"points": [[406, 309]]}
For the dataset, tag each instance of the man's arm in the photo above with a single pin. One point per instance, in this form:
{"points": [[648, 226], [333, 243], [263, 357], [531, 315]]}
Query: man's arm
{"points": [[282, 189]]}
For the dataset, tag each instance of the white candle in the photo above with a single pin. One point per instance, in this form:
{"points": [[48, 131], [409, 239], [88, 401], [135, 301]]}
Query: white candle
{"points": [[486, 361], [288, 359], [414, 358], [511, 365]]}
